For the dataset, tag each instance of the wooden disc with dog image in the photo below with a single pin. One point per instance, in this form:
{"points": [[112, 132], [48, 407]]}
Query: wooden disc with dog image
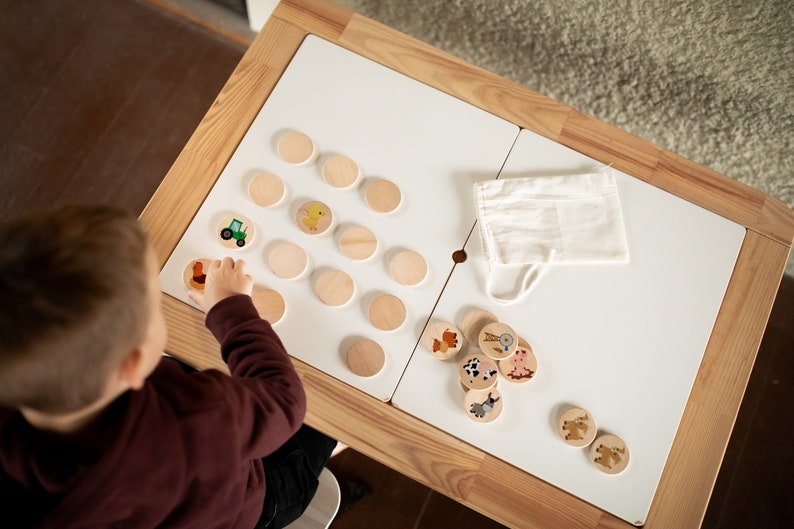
{"points": [[576, 427], [609, 454], [442, 340], [483, 406]]}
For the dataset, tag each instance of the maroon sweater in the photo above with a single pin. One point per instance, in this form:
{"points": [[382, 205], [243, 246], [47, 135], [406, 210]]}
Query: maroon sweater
{"points": [[184, 451]]}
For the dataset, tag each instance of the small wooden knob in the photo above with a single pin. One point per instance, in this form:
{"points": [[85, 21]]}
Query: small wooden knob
{"points": [[387, 312], [340, 171], [288, 260], [442, 340], [483, 406], [295, 147], [498, 340], [235, 231], [576, 427], [266, 189], [609, 454], [478, 372], [269, 303], [383, 196], [366, 358], [358, 243]]}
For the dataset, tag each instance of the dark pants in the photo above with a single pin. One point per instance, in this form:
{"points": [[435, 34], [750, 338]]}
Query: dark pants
{"points": [[291, 474]]}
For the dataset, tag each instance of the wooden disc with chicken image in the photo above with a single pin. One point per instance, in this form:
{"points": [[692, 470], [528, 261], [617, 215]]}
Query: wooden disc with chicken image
{"points": [[609, 454], [521, 366], [483, 406], [442, 340], [314, 217], [195, 274]]}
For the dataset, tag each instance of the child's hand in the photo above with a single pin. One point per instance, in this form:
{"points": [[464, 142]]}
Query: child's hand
{"points": [[224, 279]]}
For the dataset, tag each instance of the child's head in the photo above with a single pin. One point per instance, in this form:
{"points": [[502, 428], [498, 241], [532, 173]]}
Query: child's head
{"points": [[74, 300]]}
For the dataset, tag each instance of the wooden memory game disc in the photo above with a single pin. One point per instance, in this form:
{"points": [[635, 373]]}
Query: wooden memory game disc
{"points": [[609, 454], [314, 217], [334, 287], [408, 268], [483, 406], [269, 303], [387, 312], [498, 340], [358, 243], [195, 274], [521, 366], [383, 196], [235, 231], [478, 372], [266, 189], [295, 147], [576, 427], [340, 171], [366, 358], [473, 322], [287, 260], [442, 340]]}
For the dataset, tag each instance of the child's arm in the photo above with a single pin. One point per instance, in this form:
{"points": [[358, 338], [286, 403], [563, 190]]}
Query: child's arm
{"points": [[224, 279]]}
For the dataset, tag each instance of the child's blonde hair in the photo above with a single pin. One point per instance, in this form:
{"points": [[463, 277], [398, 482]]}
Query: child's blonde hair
{"points": [[73, 302]]}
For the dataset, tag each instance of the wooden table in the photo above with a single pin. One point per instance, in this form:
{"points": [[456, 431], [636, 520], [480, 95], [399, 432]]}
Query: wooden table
{"points": [[414, 448]]}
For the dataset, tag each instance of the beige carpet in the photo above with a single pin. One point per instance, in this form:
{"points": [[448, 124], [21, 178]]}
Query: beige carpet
{"points": [[712, 81]]}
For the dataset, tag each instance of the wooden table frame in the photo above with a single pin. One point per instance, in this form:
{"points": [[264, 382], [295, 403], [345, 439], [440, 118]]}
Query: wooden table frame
{"points": [[419, 450]]}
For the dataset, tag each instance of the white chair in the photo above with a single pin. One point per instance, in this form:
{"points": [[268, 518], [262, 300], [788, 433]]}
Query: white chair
{"points": [[324, 506]]}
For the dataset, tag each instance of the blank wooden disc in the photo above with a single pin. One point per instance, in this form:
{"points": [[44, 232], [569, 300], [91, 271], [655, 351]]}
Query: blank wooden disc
{"points": [[442, 340], [266, 189], [195, 274], [288, 260], [609, 454], [235, 231], [498, 340], [576, 427], [387, 312], [358, 243], [314, 217], [295, 147], [473, 322], [383, 196], [483, 406], [408, 268], [478, 372], [521, 366], [334, 287], [340, 171], [269, 303], [366, 358]]}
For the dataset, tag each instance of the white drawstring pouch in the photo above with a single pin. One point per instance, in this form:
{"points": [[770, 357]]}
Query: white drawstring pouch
{"points": [[528, 223]]}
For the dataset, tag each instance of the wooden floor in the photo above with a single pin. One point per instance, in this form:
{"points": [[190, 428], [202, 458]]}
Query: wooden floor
{"points": [[97, 98]]}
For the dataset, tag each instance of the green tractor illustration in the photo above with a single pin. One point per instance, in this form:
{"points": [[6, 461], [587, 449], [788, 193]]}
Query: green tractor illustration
{"points": [[234, 231]]}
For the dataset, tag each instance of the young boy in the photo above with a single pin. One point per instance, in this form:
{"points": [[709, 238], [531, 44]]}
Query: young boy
{"points": [[97, 429]]}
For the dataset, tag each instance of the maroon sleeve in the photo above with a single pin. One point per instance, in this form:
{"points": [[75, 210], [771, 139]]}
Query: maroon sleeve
{"points": [[267, 395]]}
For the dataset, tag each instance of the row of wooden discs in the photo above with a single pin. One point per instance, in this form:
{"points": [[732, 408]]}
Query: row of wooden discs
{"points": [[609, 453], [500, 351]]}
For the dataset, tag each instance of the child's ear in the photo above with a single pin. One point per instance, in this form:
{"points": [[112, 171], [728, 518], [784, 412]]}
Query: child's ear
{"points": [[130, 371]]}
